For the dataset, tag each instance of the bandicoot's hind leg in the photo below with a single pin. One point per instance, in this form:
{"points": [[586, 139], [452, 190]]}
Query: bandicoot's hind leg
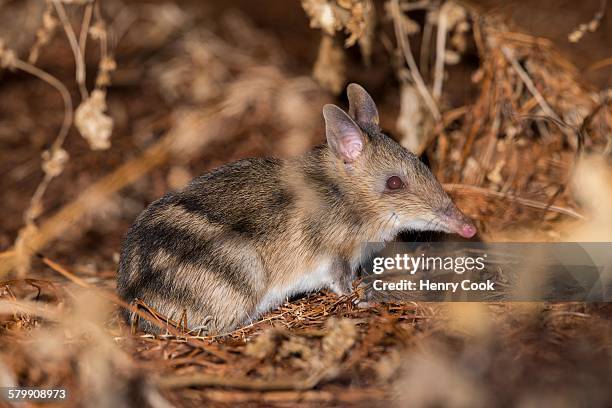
{"points": [[226, 283], [342, 277], [213, 277]]}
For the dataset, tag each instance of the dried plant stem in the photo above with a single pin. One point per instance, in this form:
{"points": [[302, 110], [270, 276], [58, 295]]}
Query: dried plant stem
{"points": [[599, 64], [534, 90], [529, 83], [440, 52], [23, 248], [425, 43], [87, 15], [21, 258], [74, 45], [524, 201], [44, 34], [579, 32], [61, 88], [65, 273], [103, 39], [30, 307], [21, 253], [248, 326], [33, 209], [409, 57]]}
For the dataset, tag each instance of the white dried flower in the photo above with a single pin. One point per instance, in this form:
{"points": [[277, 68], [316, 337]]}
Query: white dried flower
{"points": [[322, 15], [451, 57], [54, 161], [455, 14], [575, 36], [97, 30], [91, 121], [327, 19]]}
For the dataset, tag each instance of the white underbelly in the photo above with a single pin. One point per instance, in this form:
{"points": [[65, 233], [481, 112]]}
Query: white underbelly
{"points": [[315, 279]]}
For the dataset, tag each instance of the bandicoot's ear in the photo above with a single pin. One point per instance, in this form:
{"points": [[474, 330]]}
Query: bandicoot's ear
{"points": [[344, 137], [361, 106]]}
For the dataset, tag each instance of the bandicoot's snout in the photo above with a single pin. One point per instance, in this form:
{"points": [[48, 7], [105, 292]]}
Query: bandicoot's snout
{"points": [[468, 230], [456, 222]]}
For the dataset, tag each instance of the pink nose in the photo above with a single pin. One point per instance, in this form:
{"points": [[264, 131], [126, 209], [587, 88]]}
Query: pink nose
{"points": [[467, 231]]}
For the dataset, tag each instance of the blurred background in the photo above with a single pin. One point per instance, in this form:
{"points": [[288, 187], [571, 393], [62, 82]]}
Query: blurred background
{"points": [[107, 105]]}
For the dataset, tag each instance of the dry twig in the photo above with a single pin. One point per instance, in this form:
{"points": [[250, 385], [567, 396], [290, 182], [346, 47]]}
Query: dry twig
{"points": [[524, 201], [408, 56]]}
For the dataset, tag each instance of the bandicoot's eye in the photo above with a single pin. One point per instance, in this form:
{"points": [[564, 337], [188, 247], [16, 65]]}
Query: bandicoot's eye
{"points": [[394, 183]]}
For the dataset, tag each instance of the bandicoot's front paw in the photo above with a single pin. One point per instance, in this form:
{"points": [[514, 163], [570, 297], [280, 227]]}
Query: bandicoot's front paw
{"points": [[360, 301], [363, 299]]}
